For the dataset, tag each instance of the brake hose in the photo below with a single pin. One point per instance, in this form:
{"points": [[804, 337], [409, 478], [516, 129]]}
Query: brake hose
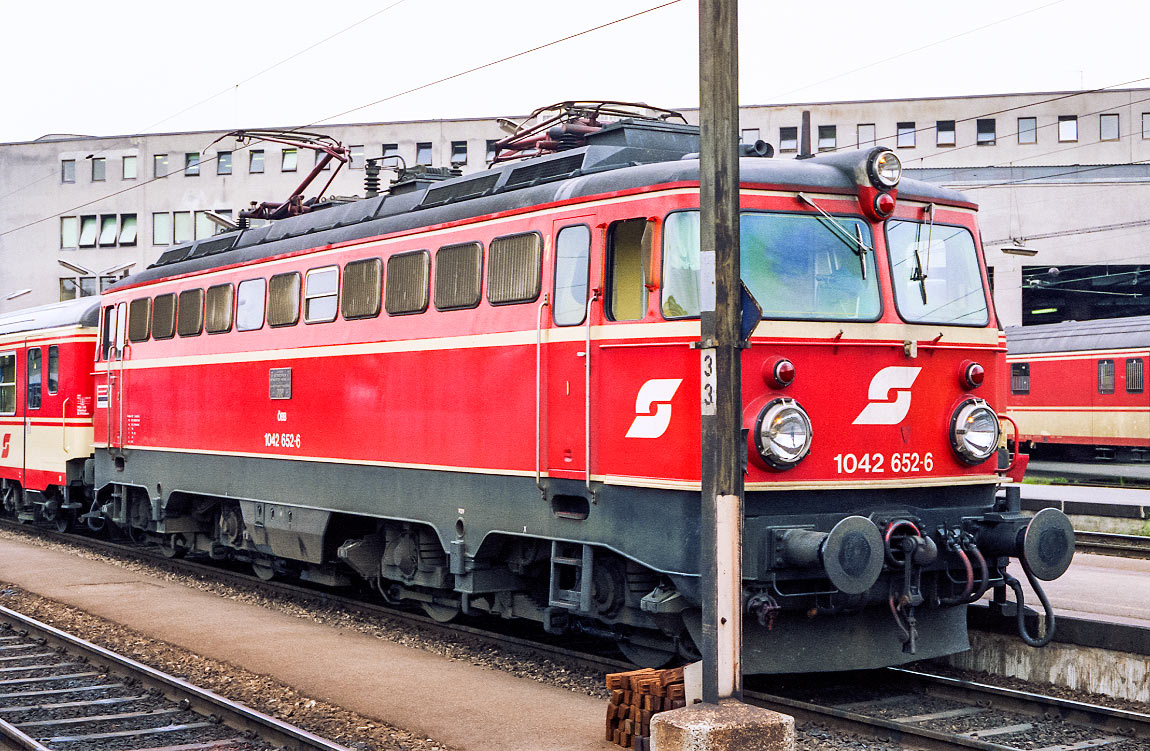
{"points": [[1021, 607]]}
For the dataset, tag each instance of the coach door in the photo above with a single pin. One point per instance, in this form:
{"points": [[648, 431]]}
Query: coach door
{"points": [[12, 425], [567, 362], [112, 355]]}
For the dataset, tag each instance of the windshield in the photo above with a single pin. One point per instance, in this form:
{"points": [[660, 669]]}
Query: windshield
{"points": [[935, 274], [796, 266]]}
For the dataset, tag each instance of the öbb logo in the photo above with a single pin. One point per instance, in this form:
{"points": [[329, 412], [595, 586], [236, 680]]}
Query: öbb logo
{"points": [[880, 410], [654, 394], [7, 444]]}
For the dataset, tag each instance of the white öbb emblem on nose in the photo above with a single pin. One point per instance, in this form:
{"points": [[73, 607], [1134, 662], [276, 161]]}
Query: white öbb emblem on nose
{"points": [[654, 394], [882, 411]]}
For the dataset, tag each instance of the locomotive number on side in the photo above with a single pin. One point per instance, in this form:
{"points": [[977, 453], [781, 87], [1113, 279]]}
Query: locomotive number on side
{"points": [[877, 463], [282, 440]]}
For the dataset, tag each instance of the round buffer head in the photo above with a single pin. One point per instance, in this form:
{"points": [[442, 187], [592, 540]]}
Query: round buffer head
{"points": [[853, 555], [1048, 544]]}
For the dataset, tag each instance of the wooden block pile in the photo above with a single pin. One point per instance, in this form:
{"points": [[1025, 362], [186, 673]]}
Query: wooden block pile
{"points": [[635, 697]]}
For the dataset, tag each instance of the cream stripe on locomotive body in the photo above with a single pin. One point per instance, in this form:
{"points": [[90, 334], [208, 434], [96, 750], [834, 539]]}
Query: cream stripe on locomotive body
{"points": [[522, 454]]}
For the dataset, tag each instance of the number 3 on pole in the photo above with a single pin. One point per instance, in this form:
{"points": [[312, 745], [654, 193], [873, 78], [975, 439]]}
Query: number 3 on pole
{"points": [[707, 380]]}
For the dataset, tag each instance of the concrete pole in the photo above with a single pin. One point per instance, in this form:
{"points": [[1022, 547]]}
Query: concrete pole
{"points": [[721, 520]]}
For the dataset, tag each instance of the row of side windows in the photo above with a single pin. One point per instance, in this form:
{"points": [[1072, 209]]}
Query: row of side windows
{"points": [[1020, 377], [36, 377], [514, 274]]}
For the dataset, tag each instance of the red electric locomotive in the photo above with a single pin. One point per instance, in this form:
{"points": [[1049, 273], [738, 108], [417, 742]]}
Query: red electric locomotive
{"points": [[481, 395], [46, 410], [1078, 388]]}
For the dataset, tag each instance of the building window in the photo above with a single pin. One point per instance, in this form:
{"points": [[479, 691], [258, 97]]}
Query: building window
{"points": [[905, 137], [749, 135], [8, 384], [1027, 130], [789, 138], [192, 164], [204, 227], [256, 161], [1134, 375], [128, 167], [161, 228], [458, 153], [67, 170], [321, 290], [289, 160], [183, 227], [491, 150], [73, 287], [1020, 378], [866, 136], [1105, 376], [828, 138], [355, 157], [944, 133], [224, 163], [69, 232], [319, 157], [423, 153], [89, 228], [390, 150], [160, 165], [127, 229], [107, 230], [99, 169], [1146, 125], [1067, 128], [986, 135], [1108, 127]]}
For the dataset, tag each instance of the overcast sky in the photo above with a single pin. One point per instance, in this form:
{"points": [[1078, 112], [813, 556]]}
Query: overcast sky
{"points": [[131, 66]]}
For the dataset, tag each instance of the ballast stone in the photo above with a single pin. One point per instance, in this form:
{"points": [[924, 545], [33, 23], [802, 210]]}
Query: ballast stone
{"points": [[729, 725]]}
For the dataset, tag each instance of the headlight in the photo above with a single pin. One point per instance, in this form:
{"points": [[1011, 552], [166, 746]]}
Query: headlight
{"points": [[974, 431], [783, 433], [885, 168]]}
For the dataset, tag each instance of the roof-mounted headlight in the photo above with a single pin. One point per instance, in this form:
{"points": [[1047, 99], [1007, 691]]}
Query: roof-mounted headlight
{"points": [[884, 169]]}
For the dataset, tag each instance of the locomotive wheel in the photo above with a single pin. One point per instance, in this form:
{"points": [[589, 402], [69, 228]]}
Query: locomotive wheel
{"points": [[65, 520], [174, 546], [440, 613], [8, 499], [95, 520], [263, 570], [645, 656]]}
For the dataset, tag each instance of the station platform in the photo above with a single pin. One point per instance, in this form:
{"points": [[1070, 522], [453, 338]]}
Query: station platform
{"points": [[1131, 504], [454, 703]]}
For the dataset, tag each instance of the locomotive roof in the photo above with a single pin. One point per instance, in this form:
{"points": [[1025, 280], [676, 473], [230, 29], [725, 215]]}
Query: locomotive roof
{"points": [[84, 311], [1076, 336], [624, 155]]}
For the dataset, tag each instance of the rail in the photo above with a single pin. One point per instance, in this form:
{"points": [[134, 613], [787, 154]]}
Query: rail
{"points": [[1106, 543]]}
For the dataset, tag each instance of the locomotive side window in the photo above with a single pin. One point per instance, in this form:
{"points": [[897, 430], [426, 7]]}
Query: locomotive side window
{"points": [[218, 317], [515, 268], [572, 254], [936, 274], [1105, 376], [8, 383], [190, 312], [109, 333], [1134, 376], [250, 297], [1020, 378], [139, 319], [164, 316], [283, 299], [628, 258], [458, 276], [362, 288], [34, 377], [408, 283], [321, 294], [53, 369]]}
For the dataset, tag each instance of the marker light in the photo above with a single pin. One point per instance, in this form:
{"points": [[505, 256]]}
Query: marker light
{"points": [[973, 375], [783, 433], [974, 431], [779, 373], [884, 204]]}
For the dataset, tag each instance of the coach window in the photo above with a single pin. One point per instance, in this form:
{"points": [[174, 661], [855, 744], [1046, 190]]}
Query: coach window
{"points": [[34, 376], [250, 297], [458, 276], [53, 369], [190, 312], [8, 383], [407, 285], [283, 299], [164, 316], [1134, 376], [321, 294], [218, 309], [572, 254], [139, 319], [362, 288], [1020, 378], [628, 258], [1105, 376], [515, 269]]}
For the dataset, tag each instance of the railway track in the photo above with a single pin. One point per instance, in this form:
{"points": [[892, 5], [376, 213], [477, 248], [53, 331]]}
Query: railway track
{"points": [[60, 692], [1105, 543]]}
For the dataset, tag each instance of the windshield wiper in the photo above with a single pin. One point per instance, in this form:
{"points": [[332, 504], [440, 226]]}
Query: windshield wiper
{"points": [[854, 241], [920, 271]]}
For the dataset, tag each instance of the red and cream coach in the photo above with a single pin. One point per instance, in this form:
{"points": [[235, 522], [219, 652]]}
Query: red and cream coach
{"points": [[480, 394]]}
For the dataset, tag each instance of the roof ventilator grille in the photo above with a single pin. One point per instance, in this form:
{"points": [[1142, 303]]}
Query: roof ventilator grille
{"points": [[536, 172], [459, 191]]}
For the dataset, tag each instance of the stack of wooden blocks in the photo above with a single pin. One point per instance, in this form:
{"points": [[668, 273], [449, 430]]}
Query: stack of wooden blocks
{"points": [[635, 697]]}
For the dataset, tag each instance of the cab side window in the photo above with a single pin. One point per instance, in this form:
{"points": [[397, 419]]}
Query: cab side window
{"points": [[628, 264], [572, 256]]}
